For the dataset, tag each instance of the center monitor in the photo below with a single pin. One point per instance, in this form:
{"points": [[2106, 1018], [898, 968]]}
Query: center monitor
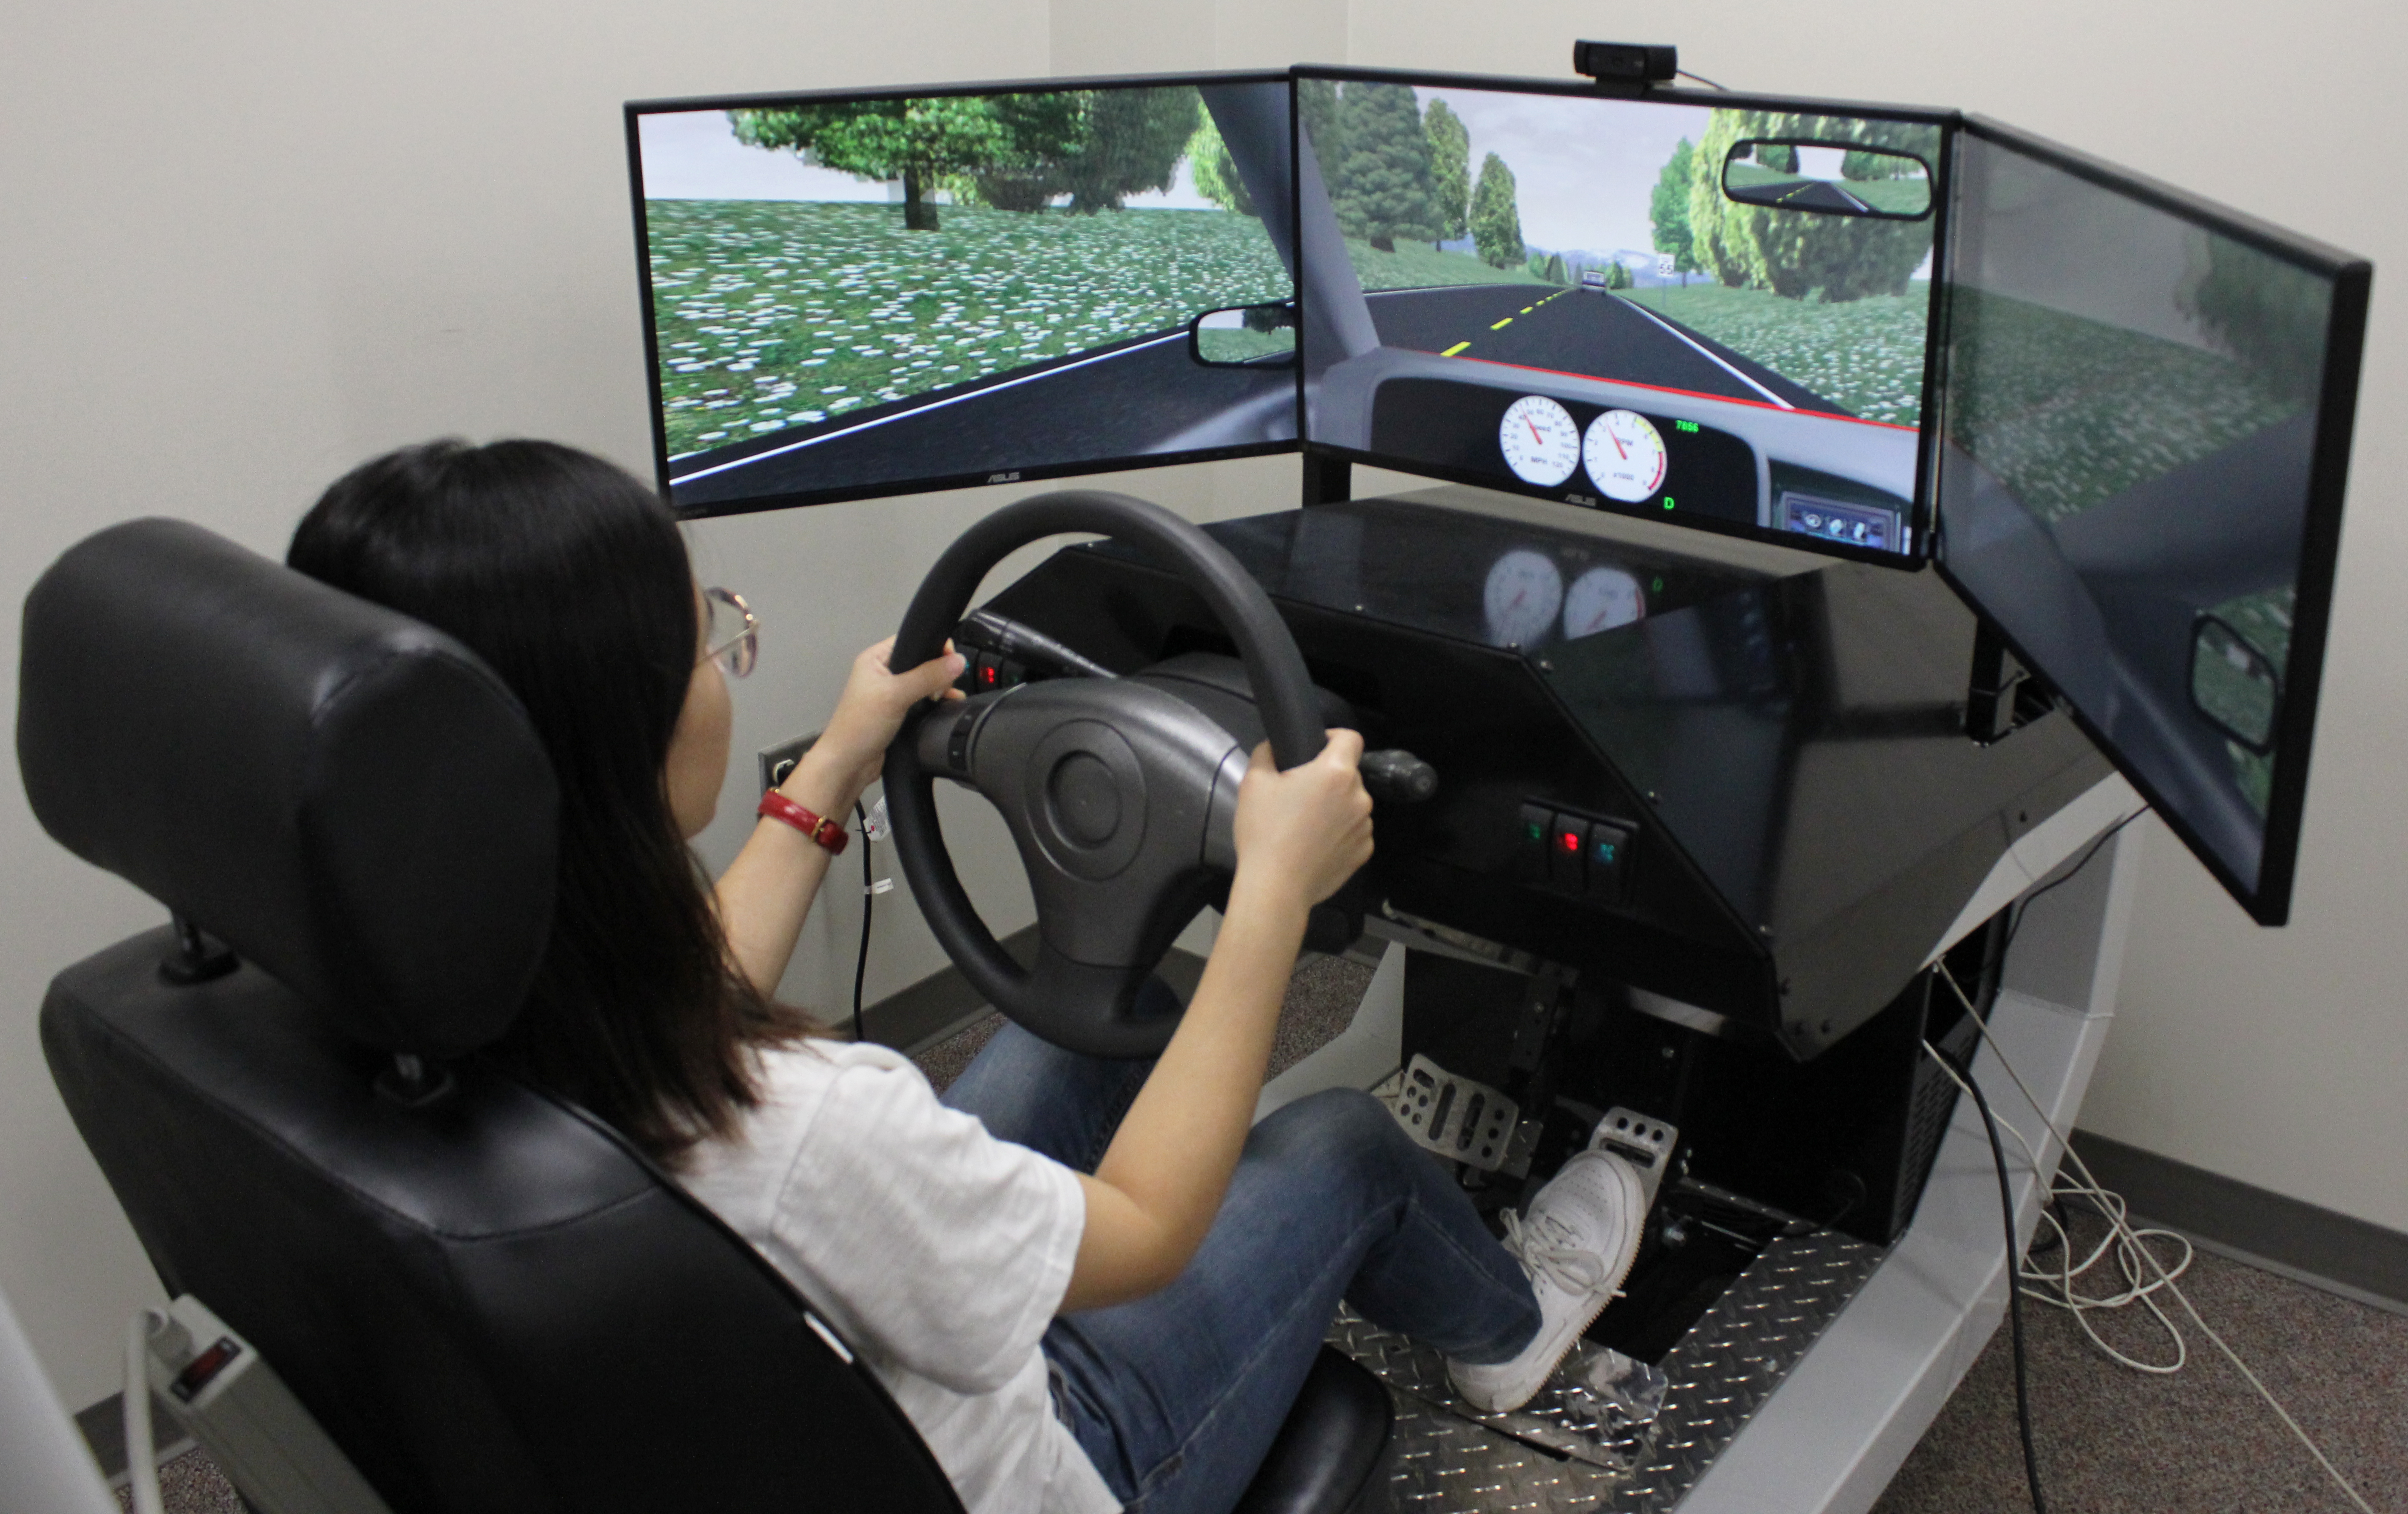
{"points": [[1719, 314]]}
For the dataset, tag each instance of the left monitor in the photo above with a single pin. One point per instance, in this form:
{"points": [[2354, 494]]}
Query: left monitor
{"points": [[867, 293]]}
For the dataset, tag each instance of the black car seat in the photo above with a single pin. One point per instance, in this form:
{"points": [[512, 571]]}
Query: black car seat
{"points": [[487, 1298]]}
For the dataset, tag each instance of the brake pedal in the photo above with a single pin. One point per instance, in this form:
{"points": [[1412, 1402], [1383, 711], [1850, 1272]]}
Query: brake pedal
{"points": [[1642, 1140], [1454, 1117]]}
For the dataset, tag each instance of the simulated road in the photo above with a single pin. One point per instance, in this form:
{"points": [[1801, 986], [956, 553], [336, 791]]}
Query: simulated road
{"points": [[1126, 402], [1579, 331]]}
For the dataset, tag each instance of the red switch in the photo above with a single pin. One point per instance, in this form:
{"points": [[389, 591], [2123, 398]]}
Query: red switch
{"points": [[1567, 841]]}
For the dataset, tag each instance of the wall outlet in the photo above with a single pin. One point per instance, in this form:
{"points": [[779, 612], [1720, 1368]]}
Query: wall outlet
{"points": [[779, 761]]}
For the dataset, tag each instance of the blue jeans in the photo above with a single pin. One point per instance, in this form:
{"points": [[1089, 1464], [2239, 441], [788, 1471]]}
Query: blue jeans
{"points": [[1177, 1397]]}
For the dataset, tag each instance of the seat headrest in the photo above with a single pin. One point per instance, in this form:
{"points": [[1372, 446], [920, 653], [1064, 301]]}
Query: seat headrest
{"points": [[346, 796]]}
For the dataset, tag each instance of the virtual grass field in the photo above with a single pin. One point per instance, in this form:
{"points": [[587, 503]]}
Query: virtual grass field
{"points": [[1865, 356], [777, 313], [2069, 412], [1413, 265]]}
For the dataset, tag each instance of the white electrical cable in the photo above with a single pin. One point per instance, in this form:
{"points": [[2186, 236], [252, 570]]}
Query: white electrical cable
{"points": [[141, 1460], [2116, 1221], [2060, 1292]]}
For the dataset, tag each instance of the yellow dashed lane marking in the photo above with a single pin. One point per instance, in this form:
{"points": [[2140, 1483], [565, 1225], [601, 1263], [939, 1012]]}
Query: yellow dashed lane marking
{"points": [[1456, 347], [1527, 309], [1502, 325]]}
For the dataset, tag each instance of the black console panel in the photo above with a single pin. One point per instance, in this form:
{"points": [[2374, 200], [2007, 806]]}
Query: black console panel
{"points": [[1743, 788]]}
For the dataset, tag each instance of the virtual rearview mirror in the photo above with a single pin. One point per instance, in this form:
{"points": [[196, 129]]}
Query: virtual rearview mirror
{"points": [[2234, 685], [1244, 337], [1827, 178]]}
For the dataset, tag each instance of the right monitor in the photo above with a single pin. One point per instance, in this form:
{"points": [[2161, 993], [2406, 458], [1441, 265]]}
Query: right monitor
{"points": [[2145, 425]]}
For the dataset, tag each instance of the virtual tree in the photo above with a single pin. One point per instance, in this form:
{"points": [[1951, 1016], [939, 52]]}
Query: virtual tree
{"points": [[1667, 209], [918, 141], [1450, 170], [1216, 173], [1496, 215], [1388, 187], [1011, 152], [1132, 143], [1325, 130]]}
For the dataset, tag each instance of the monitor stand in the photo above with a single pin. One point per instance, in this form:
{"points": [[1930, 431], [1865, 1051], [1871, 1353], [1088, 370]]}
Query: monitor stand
{"points": [[1804, 1385]]}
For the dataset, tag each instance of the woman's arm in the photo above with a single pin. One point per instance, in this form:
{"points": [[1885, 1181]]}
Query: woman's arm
{"points": [[768, 891], [1300, 834]]}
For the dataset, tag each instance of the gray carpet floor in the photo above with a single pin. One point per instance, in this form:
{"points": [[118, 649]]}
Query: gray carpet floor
{"points": [[2110, 1441], [2116, 1441]]}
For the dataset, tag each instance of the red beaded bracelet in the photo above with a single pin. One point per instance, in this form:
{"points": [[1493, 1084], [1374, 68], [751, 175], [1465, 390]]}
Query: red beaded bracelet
{"points": [[828, 833]]}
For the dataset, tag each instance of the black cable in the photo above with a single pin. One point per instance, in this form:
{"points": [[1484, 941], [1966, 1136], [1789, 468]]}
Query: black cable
{"points": [[2014, 1281], [860, 962], [2016, 921]]}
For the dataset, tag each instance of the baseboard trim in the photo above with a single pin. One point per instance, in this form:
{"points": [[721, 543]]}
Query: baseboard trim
{"points": [[2322, 1248]]}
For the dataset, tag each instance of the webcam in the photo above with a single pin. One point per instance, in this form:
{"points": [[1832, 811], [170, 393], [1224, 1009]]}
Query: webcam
{"points": [[1626, 63]]}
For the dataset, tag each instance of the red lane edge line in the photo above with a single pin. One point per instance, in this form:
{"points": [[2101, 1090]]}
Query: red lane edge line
{"points": [[1666, 389]]}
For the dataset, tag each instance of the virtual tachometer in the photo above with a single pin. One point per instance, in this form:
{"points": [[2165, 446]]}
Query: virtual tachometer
{"points": [[1541, 440], [1599, 600], [1624, 454]]}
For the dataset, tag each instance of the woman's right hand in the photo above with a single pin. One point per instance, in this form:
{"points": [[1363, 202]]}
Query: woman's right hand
{"points": [[1308, 830], [869, 712]]}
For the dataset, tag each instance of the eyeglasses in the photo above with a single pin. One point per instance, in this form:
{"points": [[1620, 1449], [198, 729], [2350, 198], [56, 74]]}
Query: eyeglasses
{"points": [[734, 635]]}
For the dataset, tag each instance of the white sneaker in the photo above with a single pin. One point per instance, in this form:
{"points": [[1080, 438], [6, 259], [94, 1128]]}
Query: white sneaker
{"points": [[1576, 1244]]}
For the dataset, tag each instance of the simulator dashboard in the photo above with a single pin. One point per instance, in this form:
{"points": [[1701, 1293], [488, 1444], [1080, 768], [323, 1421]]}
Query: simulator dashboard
{"points": [[1681, 823], [2114, 418]]}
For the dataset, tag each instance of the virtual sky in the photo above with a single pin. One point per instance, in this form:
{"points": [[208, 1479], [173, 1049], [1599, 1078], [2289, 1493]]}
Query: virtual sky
{"points": [[693, 155]]}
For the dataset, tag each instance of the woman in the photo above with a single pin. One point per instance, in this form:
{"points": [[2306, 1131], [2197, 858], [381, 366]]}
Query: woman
{"points": [[1089, 1284]]}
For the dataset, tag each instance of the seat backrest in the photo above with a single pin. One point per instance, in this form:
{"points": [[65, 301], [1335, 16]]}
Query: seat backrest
{"points": [[487, 1298]]}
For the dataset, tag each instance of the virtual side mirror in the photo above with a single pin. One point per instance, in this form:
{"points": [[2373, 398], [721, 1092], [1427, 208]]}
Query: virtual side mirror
{"points": [[1827, 178], [1244, 337], [2234, 685]]}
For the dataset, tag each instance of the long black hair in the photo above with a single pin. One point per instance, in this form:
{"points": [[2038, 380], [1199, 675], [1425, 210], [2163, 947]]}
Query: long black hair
{"points": [[571, 579]]}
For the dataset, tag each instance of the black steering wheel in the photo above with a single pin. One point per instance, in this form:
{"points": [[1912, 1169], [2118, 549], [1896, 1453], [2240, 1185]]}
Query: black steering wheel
{"points": [[1121, 795]]}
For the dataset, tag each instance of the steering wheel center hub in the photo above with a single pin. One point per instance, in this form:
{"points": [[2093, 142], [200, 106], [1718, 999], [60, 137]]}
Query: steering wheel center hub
{"points": [[1084, 802], [1086, 798]]}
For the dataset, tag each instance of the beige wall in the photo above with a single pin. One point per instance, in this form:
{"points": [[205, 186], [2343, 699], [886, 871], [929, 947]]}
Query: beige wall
{"points": [[240, 253]]}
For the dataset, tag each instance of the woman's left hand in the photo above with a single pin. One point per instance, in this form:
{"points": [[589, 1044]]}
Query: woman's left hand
{"points": [[868, 713]]}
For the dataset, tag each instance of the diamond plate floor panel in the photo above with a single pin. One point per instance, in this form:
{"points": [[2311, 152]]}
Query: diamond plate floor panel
{"points": [[1562, 1452]]}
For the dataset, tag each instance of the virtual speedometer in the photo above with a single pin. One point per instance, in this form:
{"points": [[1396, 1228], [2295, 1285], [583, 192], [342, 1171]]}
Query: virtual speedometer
{"points": [[1625, 453], [1539, 440]]}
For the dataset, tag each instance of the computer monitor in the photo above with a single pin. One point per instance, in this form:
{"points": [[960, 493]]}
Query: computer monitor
{"points": [[867, 293], [2147, 422], [1713, 309]]}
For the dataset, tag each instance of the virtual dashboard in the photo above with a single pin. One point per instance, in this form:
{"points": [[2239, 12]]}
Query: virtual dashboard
{"points": [[1656, 461]]}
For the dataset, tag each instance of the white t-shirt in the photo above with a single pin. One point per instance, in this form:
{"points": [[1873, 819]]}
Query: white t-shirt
{"points": [[937, 1251]]}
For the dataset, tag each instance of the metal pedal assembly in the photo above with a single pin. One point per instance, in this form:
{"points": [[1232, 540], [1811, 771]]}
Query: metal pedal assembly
{"points": [[1454, 1117]]}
